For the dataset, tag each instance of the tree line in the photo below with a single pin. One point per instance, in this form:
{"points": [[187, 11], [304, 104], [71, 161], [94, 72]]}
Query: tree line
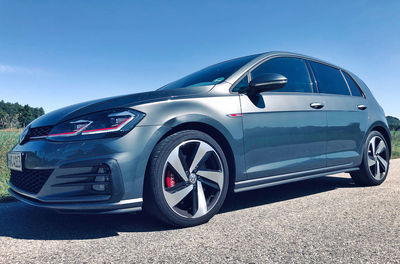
{"points": [[394, 123], [14, 115]]}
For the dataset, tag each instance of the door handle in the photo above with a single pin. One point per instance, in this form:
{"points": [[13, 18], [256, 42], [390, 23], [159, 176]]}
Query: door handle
{"points": [[361, 107], [316, 105]]}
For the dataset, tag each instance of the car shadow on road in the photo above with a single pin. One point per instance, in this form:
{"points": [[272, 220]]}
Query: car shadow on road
{"points": [[21, 221], [284, 192]]}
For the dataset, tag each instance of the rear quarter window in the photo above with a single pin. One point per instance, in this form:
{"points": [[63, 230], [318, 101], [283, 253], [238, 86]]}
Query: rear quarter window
{"points": [[355, 90]]}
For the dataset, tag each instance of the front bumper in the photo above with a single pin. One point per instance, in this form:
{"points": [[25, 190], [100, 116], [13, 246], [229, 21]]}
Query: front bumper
{"points": [[123, 206], [91, 176]]}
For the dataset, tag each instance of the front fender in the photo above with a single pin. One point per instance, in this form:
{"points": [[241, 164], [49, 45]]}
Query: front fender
{"points": [[211, 111]]}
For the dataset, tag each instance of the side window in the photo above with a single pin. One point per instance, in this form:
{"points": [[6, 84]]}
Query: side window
{"points": [[329, 80], [355, 91], [244, 83], [293, 69]]}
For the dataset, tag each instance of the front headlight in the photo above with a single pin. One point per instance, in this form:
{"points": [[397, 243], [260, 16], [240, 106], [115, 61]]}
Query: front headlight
{"points": [[110, 123]]}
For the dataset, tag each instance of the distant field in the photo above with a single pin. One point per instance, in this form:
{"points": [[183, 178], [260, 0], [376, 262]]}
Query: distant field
{"points": [[9, 137], [395, 144]]}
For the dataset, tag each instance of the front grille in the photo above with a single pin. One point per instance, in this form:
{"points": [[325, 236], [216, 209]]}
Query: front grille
{"points": [[39, 131], [30, 181]]}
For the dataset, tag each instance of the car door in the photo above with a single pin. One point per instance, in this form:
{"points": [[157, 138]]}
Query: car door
{"points": [[284, 129], [347, 117]]}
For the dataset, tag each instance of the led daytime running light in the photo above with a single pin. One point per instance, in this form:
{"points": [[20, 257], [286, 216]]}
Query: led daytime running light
{"points": [[111, 129], [73, 133]]}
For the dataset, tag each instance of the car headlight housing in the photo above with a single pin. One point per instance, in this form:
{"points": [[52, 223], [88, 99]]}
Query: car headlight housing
{"points": [[103, 124]]}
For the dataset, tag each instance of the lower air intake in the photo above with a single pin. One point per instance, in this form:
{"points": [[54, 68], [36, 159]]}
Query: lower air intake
{"points": [[30, 181]]}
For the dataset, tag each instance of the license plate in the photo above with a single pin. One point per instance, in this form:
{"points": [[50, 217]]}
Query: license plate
{"points": [[14, 161]]}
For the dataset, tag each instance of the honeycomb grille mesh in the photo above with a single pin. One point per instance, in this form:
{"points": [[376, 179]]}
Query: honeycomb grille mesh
{"points": [[39, 131], [30, 181]]}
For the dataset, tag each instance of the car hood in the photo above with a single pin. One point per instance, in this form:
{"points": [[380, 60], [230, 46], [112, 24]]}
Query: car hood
{"points": [[76, 110]]}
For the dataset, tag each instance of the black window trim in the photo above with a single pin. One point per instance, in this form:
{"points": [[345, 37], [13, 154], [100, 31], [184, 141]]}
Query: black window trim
{"points": [[313, 79], [344, 78]]}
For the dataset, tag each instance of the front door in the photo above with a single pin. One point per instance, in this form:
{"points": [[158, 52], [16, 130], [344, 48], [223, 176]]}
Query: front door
{"points": [[284, 129]]}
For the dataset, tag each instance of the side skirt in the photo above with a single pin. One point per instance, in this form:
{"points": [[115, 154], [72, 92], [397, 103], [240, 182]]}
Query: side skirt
{"points": [[253, 184]]}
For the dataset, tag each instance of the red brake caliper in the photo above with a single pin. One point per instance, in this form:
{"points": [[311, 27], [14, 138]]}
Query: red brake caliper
{"points": [[170, 178]]}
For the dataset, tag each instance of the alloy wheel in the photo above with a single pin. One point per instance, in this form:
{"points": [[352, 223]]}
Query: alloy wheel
{"points": [[377, 157], [193, 178]]}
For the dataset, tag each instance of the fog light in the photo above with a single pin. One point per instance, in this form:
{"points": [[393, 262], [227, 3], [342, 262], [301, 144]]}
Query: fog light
{"points": [[99, 187], [103, 170], [102, 180]]}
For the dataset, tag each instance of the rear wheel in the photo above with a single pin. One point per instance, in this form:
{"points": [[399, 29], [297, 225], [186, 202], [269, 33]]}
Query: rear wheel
{"points": [[187, 179], [375, 165]]}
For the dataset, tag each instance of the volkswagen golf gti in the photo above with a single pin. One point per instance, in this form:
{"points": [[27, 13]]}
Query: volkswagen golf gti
{"points": [[239, 125]]}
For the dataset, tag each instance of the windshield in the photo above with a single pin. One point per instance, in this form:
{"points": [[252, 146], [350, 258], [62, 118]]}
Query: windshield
{"points": [[211, 75]]}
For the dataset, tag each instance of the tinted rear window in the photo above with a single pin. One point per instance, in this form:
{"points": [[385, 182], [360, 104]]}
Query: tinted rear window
{"points": [[355, 91], [329, 79]]}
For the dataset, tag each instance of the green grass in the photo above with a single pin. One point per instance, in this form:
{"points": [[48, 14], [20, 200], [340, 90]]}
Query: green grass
{"points": [[395, 144], [8, 138]]}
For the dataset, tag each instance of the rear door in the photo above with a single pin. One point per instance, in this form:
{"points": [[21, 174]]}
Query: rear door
{"points": [[347, 116], [285, 129]]}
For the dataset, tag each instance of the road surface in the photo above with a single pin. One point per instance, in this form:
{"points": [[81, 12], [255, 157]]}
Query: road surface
{"points": [[321, 220]]}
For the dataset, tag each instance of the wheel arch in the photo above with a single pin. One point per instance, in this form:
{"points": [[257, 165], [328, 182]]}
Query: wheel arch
{"points": [[221, 137], [382, 128]]}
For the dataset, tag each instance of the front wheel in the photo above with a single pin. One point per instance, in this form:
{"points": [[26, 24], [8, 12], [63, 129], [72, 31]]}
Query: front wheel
{"points": [[188, 179], [375, 164]]}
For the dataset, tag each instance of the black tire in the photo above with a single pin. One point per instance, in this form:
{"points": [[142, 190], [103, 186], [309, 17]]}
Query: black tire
{"points": [[365, 175], [155, 201]]}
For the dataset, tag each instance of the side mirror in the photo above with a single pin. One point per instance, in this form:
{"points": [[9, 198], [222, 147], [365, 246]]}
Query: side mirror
{"points": [[266, 82]]}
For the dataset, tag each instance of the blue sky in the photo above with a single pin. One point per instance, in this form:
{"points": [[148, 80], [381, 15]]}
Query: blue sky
{"points": [[56, 53]]}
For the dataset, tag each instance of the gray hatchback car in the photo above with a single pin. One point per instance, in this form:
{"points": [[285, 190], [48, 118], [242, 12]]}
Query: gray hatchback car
{"points": [[242, 124]]}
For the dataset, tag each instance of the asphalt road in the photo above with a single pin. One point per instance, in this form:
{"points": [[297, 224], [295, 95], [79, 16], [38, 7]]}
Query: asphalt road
{"points": [[321, 220]]}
